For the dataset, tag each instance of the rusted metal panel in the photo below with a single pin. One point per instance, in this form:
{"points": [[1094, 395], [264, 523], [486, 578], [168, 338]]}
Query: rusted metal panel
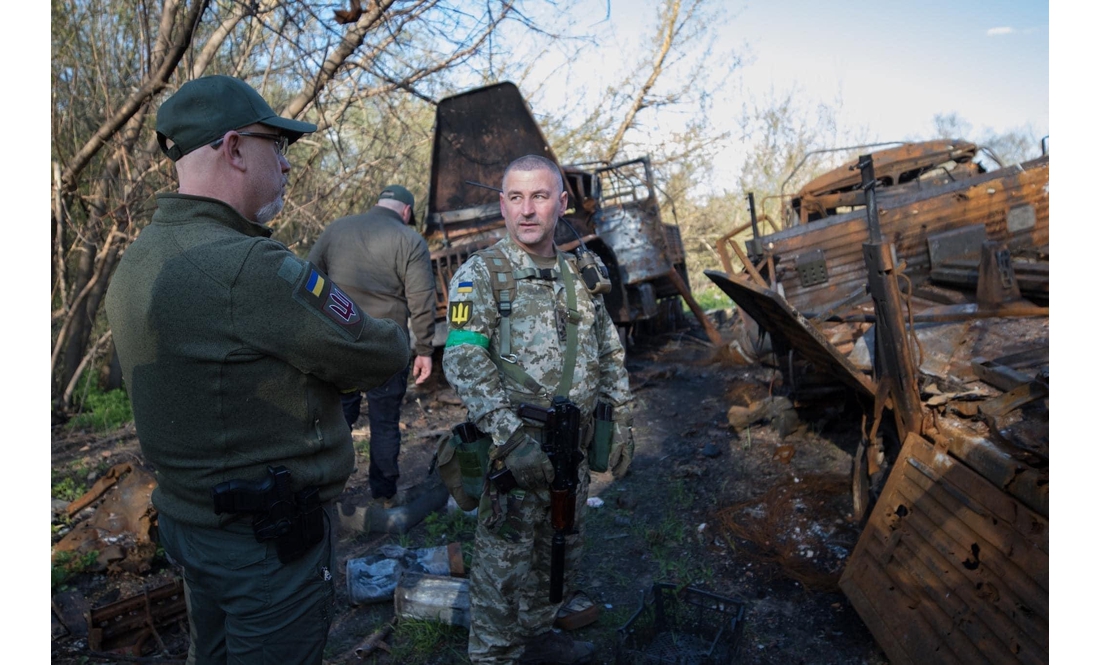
{"points": [[950, 568], [612, 209], [126, 626], [774, 315], [893, 167], [908, 221], [477, 134], [630, 221]]}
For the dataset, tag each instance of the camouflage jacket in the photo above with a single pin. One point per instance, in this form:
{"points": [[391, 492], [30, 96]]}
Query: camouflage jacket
{"points": [[538, 324]]}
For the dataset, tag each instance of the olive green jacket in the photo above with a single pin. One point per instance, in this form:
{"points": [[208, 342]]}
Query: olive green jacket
{"points": [[385, 266], [234, 351]]}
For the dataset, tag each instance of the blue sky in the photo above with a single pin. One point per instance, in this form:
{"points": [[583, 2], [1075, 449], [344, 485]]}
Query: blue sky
{"points": [[895, 65], [898, 64]]}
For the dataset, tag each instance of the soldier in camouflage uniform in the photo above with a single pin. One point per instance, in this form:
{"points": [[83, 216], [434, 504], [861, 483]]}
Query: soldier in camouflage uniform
{"points": [[511, 616]]}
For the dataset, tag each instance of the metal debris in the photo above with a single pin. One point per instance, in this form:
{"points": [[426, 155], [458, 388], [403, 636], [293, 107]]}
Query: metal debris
{"points": [[120, 529], [125, 627], [953, 560], [613, 209]]}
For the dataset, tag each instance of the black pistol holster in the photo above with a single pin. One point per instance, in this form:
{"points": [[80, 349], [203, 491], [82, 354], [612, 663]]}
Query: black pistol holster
{"points": [[294, 521]]}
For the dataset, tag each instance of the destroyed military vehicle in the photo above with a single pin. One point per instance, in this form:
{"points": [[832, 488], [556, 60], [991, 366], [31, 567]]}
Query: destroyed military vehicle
{"points": [[918, 281], [612, 209]]}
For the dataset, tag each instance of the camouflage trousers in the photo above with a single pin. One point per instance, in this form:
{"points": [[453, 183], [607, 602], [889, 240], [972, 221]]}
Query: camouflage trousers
{"points": [[510, 577]]}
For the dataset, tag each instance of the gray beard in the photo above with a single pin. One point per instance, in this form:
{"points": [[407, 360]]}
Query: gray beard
{"points": [[269, 211]]}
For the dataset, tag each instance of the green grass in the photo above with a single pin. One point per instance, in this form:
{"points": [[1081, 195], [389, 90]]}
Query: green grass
{"points": [[68, 489], [417, 642], [100, 411], [709, 298], [611, 621], [362, 446], [679, 494], [68, 564], [68, 482]]}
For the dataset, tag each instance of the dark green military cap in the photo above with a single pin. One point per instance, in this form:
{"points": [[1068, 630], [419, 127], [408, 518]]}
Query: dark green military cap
{"points": [[399, 193], [204, 109]]}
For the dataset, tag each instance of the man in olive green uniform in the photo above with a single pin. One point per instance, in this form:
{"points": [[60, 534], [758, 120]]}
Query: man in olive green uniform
{"points": [[234, 352], [511, 615], [384, 265]]}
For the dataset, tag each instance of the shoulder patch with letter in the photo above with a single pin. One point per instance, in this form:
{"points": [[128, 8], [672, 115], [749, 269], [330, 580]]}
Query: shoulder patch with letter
{"points": [[320, 294]]}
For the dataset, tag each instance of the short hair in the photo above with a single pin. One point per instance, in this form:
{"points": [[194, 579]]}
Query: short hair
{"points": [[534, 163]]}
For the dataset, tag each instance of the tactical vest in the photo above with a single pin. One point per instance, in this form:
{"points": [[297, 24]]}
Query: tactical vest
{"points": [[503, 276]]}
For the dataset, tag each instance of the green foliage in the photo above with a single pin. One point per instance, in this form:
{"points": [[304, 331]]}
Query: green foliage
{"points": [[100, 411], [68, 564], [449, 527], [362, 446], [417, 642], [68, 489], [709, 298], [67, 482]]}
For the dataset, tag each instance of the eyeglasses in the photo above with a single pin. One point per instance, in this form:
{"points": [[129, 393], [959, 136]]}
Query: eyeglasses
{"points": [[281, 142]]}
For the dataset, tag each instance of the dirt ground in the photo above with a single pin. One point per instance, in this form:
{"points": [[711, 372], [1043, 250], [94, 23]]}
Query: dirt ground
{"points": [[742, 513]]}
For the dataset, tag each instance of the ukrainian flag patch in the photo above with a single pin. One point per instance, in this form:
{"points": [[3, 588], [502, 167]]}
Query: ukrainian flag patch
{"points": [[316, 283], [465, 287]]}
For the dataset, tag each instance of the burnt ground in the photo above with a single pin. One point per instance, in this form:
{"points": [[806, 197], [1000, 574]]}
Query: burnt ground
{"points": [[745, 514]]}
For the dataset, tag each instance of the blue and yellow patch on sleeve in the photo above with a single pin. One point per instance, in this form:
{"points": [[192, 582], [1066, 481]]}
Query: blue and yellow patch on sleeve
{"points": [[465, 287], [326, 299], [459, 313], [315, 284]]}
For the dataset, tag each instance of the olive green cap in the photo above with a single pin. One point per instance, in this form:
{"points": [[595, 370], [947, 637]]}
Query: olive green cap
{"points": [[399, 193], [204, 109]]}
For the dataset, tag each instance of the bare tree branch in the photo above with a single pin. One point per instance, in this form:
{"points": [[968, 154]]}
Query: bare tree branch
{"points": [[669, 29], [152, 85]]}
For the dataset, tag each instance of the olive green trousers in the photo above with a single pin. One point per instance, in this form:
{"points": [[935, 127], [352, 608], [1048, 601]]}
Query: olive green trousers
{"points": [[243, 604]]}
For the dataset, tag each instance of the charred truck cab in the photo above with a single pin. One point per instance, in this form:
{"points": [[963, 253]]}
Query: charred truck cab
{"points": [[612, 208]]}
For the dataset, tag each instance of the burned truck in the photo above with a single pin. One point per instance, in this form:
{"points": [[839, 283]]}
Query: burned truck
{"points": [[612, 208], [937, 203], [921, 287]]}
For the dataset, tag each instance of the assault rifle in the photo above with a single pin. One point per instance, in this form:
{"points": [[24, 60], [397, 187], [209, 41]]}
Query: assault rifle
{"points": [[561, 443]]}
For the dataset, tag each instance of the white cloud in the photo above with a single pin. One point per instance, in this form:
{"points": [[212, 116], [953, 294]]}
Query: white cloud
{"points": [[993, 32]]}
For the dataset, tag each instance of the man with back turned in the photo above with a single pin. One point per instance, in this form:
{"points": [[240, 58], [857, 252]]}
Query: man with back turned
{"points": [[380, 260], [234, 352]]}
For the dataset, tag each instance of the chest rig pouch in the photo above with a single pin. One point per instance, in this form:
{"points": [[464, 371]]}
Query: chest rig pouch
{"points": [[458, 454]]}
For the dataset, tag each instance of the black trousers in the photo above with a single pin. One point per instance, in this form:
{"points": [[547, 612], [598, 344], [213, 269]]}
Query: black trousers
{"points": [[384, 412]]}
